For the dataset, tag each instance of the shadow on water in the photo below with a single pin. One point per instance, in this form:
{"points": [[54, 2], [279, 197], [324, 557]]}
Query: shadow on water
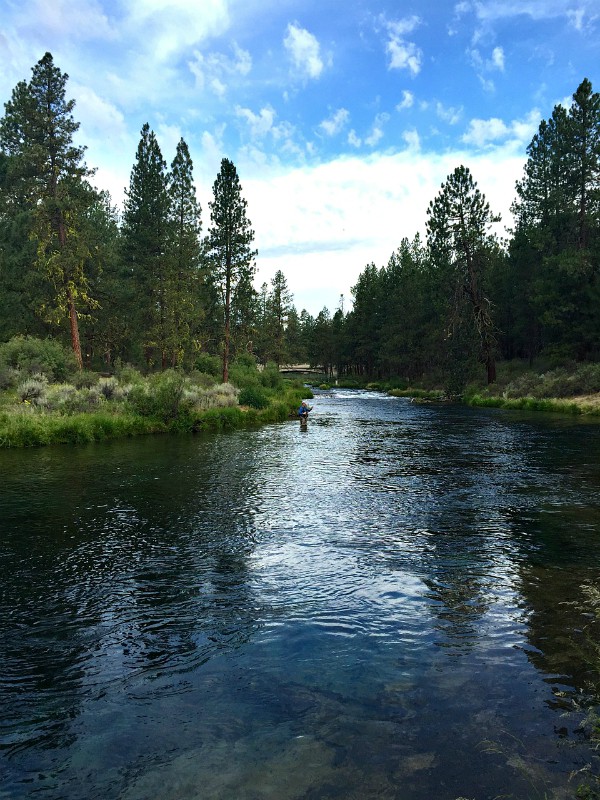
{"points": [[398, 602]]}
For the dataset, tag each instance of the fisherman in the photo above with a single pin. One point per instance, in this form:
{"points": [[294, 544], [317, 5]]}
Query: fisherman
{"points": [[303, 411]]}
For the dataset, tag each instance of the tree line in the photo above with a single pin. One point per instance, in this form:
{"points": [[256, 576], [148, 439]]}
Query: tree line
{"points": [[464, 297], [150, 287]]}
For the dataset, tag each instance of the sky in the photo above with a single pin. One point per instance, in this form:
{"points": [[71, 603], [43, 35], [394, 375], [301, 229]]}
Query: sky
{"points": [[342, 117]]}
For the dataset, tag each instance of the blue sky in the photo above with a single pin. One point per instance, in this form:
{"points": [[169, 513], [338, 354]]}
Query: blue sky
{"points": [[343, 118]]}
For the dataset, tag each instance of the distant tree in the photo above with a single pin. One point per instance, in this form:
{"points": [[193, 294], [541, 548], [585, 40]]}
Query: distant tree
{"points": [[146, 250], [185, 286], [230, 257], [365, 321], [459, 239], [46, 177], [280, 306], [295, 346]]}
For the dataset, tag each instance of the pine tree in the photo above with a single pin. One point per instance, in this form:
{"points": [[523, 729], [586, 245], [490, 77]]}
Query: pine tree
{"points": [[185, 295], [47, 177], [230, 257], [146, 248], [280, 305], [459, 239]]}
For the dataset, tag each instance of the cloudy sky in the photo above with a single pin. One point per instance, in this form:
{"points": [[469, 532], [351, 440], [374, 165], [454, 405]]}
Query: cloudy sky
{"points": [[342, 117]]}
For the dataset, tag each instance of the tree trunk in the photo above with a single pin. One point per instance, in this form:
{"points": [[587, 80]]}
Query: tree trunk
{"points": [[73, 323], [75, 343]]}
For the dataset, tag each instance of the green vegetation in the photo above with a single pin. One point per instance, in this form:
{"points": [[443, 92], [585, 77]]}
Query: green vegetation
{"points": [[88, 407]]}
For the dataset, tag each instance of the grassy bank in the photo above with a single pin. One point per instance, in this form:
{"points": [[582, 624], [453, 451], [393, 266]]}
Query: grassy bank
{"points": [[567, 389], [42, 402], [31, 427]]}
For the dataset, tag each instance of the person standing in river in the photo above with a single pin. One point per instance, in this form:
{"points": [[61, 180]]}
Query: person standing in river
{"points": [[303, 412]]}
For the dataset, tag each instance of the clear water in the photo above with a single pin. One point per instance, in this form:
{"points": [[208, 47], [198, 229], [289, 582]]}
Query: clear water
{"points": [[398, 602]]}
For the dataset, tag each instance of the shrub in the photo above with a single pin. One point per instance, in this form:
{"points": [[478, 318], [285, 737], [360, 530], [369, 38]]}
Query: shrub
{"points": [[34, 389], [211, 365], [33, 356], [109, 388], [161, 397], [128, 374], [85, 379], [270, 376], [203, 380], [254, 397], [9, 378], [244, 372]]}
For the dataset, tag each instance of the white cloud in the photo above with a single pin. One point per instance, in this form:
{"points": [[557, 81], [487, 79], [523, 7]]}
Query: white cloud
{"points": [[353, 139], [377, 132], [98, 117], [86, 19], [497, 59], [211, 69], [448, 114], [367, 205], [304, 51], [164, 28], [259, 124], [403, 54], [408, 100], [412, 139], [335, 122], [518, 133]]}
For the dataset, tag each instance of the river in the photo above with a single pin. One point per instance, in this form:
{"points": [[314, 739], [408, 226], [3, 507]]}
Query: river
{"points": [[400, 602]]}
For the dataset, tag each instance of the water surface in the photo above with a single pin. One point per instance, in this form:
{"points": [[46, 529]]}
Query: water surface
{"points": [[399, 602]]}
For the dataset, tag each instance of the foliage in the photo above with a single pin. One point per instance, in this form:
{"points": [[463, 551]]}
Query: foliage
{"points": [[29, 355], [33, 390], [46, 178], [254, 397], [160, 397], [208, 364], [230, 257]]}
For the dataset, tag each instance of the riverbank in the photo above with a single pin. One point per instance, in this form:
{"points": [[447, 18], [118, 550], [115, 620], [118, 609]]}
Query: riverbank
{"points": [[36, 409], [573, 389]]}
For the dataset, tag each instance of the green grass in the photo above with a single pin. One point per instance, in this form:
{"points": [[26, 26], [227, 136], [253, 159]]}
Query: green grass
{"points": [[35, 429], [26, 426], [419, 394], [532, 404]]}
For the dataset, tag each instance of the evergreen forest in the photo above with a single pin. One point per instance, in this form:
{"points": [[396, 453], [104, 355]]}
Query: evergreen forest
{"points": [[163, 283]]}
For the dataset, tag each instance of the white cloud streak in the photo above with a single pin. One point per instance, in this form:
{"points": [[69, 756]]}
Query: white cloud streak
{"points": [[335, 123], [304, 51], [403, 54]]}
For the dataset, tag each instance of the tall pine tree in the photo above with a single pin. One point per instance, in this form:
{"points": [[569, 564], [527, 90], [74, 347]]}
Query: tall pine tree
{"points": [[185, 288], [460, 242], [46, 173], [230, 257], [146, 248]]}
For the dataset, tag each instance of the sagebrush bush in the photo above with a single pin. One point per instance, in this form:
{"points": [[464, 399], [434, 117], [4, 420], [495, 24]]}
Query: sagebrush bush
{"points": [[109, 387], [84, 379], [34, 389]]}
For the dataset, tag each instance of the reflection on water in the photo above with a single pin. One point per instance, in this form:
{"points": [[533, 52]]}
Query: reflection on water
{"points": [[399, 602]]}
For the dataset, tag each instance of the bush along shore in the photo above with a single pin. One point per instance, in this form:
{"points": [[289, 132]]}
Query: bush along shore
{"points": [[43, 400]]}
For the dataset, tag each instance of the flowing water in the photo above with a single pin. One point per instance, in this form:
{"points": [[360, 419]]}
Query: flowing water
{"points": [[401, 601]]}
